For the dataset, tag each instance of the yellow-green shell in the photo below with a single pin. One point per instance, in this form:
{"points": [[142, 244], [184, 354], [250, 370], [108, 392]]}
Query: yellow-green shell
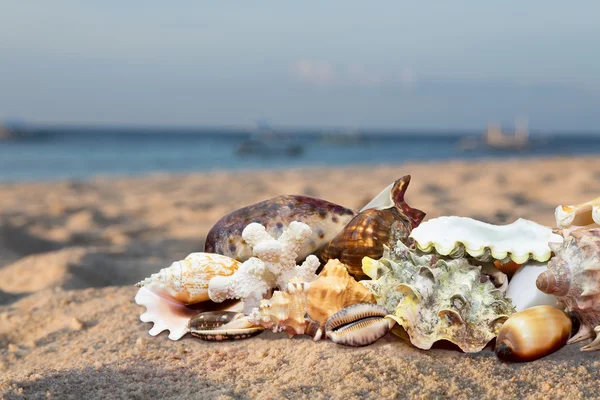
{"points": [[436, 299]]}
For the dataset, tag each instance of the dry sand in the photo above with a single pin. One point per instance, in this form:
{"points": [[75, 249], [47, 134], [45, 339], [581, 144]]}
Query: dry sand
{"points": [[70, 251]]}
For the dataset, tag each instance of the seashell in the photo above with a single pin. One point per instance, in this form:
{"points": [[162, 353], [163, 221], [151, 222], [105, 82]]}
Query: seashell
{"points": [[326, 220], [333, 290], [435, 299], [383, 221], [573, 276], [167, 315], [222, 325], [509, 268], [284, 311], [272, 267], [358, 325], [533, 333], [186, 281], [305, 307], [458, 237], [580, 215], [522, 289]]}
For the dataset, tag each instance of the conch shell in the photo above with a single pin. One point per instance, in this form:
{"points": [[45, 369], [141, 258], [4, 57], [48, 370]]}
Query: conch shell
{"points": [[325, 219], [573, 276], [435, 299], [580, 215], [383, 221], [533, 333], [186, 281], [305, 306], [458, 237]]}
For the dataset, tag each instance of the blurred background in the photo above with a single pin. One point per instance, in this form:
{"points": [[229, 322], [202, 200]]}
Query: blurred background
{"points": [[115, 89]]}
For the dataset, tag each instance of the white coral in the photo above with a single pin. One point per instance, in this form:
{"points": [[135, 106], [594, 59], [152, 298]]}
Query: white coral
{"points": [[272, 267]]}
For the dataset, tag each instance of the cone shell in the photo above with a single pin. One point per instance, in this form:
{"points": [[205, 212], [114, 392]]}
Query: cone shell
{"points": [[368, 232], [533, 333], [325, 219], [573, 276], [437, 299], [333, 290], [186, 281]]}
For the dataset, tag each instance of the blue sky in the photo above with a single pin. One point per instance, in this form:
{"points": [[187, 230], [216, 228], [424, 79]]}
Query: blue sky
{"points": [[421, 65]]}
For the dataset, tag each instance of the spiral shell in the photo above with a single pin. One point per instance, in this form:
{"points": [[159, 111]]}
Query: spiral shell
{"points": [[533, 333], [186, 281], [368, 232]]}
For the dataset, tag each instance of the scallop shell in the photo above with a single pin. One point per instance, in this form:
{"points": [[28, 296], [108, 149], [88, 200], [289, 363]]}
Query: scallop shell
{"points": [[580, 215], [437, 299], [573, 276], [222, 325], [358, 325], [326, 220], [533, 333], [383, 221], [458, 237], [186, 281]]}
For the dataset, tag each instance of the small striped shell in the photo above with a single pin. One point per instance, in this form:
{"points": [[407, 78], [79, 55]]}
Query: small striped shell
{"points": [[358, 325], [186, 281], [222, 325]]}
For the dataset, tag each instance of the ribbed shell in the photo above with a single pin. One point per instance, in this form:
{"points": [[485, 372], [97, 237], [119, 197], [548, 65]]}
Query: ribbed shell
{"points": [[326, 220], [437, 299], [573, 276], [368, 232], [186, 281]]}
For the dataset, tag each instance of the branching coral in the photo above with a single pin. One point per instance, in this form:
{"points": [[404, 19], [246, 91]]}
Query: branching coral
{"points": [[272, 267]]}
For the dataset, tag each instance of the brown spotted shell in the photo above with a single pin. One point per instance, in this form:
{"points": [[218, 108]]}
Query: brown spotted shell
{"points": [[367, 233], [324, 218]]}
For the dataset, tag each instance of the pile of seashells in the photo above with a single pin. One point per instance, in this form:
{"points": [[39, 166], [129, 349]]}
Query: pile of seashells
{"points": [[380, 270]]}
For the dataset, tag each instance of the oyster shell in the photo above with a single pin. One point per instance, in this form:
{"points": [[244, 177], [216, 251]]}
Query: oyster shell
{"points": [[437, 299], [358, 325], [573, 276], [458, 237], [383, 221], [580, 215], [326, 220], [222, 325], [533, 333], [186, 281]]}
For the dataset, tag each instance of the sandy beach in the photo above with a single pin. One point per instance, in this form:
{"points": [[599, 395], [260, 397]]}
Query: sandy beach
{"points": [[70, 252]]}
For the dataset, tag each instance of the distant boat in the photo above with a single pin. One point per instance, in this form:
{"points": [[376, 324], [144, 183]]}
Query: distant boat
{"points": [[267, 143], [494, 138]]}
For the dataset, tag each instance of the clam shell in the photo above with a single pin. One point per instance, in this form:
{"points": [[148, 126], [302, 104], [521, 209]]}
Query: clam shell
{"points": [[384, 221], [533, 333], [186, 281], [325, 219], [358, 325], [222, 325]]}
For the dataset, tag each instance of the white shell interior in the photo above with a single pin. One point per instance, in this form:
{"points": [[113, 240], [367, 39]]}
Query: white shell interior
{"points": [[382, 201], [522, 289], [166, 315], [521, 240]]}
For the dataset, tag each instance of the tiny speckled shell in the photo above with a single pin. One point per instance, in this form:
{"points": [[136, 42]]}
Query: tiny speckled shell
{"points": [[373, 228], [209, 326], [324, 218]]}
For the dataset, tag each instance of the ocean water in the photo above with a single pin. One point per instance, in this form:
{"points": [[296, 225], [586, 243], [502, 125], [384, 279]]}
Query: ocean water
{"points": [[84, 153]]}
